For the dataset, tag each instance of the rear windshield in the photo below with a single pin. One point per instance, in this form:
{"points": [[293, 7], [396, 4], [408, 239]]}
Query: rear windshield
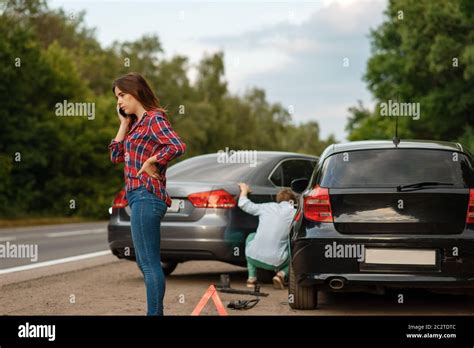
{"points": [[393, 167], [207, 168]]}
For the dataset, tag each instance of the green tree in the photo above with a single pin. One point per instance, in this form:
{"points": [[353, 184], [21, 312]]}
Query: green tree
{"points": [[424, 53], [49, 164]]}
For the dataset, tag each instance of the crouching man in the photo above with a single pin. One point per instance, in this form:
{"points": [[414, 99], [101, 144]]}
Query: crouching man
{"points": [[267, 248]]}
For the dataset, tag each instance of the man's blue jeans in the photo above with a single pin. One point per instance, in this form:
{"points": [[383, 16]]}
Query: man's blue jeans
{"points": [[147, 212]]}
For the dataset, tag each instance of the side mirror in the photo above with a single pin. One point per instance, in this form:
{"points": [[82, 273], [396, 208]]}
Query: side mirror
{"points": [[299, 185]]}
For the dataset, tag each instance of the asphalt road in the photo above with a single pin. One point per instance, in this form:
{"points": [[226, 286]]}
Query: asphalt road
{"points": [[116, 287], [53, 242], [103, 285]]}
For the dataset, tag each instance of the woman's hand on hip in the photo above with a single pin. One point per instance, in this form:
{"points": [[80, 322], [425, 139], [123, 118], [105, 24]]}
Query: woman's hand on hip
{"points": [[149, 168]]}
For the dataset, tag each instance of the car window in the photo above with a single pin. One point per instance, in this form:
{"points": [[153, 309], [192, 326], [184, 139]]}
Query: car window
{"points": [[277, 176], [393, 167], [208, 168], [289, 170]]}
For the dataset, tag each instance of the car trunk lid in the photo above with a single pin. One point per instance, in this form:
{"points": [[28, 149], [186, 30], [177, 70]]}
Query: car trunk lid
{"points": [[428, 211]]}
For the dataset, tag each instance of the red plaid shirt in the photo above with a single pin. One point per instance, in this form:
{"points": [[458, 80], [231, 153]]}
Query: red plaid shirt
{"points": [[151, 136]]}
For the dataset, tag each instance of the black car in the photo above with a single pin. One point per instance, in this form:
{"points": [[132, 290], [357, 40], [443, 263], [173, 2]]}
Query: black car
{"points": [[379, 215], [204, 222]]}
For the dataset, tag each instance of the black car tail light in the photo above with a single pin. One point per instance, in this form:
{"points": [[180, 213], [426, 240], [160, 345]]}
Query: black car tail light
{"points": [[470, 207], [317, 206], [298, 216]]}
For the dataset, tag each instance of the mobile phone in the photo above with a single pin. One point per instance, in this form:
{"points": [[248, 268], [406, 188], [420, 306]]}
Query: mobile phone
{"points": [[122, 113]]}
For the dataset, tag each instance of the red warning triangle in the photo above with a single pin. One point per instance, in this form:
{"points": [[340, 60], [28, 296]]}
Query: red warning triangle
{"points": [[211, 292]]}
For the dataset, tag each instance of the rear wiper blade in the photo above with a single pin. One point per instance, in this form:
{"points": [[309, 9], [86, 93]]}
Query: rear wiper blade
{"points": [[423, 184]]}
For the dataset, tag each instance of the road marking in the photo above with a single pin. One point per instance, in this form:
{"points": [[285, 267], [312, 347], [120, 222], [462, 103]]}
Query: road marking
{"points": [[7, 238], [75, 233], [55, 262], [49, 228]]}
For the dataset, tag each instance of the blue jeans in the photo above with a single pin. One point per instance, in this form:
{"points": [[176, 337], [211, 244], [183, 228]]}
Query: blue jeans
{"points": [[147, 212]]}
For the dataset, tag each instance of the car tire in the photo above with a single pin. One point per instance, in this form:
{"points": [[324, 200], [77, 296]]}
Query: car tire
{"points": [[119, 253], [299, 296], [168, 266]]}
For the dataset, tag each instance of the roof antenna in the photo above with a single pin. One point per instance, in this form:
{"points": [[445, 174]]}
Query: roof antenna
{"points": [[396, 139]]}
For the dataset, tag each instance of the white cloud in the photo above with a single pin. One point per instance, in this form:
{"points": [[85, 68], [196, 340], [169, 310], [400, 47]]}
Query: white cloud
{"points": [[302, 65], [293, 50], [283, 43], [240, 65]]}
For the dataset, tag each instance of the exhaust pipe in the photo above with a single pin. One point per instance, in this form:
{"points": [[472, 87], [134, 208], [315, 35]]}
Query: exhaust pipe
{"points": [[336, 283]]}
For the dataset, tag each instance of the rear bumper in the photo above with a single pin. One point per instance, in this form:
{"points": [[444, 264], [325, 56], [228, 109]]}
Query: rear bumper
{"points": [[209, 238], [389, 280], [454, 266]]}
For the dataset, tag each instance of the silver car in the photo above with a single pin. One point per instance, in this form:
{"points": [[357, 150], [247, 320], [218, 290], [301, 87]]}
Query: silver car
{"points": [[204, 221]]}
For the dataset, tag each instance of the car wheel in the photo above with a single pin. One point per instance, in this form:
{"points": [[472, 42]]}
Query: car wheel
{"points": [[299, 296], [169, 266], [120, 254]]}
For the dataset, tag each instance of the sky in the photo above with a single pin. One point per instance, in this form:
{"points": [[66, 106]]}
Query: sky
{"points": [[308, 56]]}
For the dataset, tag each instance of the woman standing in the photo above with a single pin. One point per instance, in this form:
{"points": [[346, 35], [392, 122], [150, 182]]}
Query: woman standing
{"points": [[145, 142]]}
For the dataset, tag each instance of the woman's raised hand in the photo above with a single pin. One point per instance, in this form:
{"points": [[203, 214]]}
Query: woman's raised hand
{"points": [[123, 119]]}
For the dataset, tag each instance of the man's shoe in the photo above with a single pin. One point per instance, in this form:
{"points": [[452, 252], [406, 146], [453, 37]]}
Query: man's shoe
{"points": [[251, 282], [278, 282]]}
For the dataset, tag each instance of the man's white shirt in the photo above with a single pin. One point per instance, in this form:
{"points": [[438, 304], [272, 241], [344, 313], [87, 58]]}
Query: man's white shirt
{"points": [[270, 244]]}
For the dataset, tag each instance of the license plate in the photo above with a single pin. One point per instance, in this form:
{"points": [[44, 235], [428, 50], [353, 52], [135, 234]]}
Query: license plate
{"points": [[176, 204], [400, 257]]}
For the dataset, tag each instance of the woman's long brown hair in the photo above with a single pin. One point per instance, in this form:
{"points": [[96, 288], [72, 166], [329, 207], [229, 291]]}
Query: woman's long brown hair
{"points": [[136, 85]]}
